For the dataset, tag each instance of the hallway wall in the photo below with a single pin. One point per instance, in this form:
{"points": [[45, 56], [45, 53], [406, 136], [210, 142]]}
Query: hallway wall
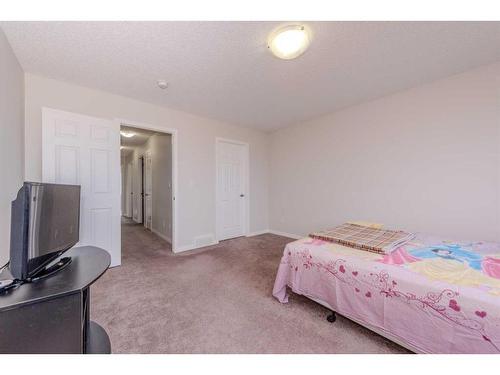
{"points": [[160, 146], [126, 185]]}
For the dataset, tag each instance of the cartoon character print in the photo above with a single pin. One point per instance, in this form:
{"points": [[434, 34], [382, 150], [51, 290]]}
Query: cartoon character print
{"points": [[452, 252]]}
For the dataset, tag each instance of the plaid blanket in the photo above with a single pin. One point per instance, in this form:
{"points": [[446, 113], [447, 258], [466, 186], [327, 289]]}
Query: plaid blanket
{"points": [[381, 241]]}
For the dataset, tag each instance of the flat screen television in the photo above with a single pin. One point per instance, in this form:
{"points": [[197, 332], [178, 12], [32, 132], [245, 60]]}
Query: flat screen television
{"points": [[45, 222]]}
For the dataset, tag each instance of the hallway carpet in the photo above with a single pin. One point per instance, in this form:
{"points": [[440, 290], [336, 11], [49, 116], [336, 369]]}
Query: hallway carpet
{"points": [[214, 300]]}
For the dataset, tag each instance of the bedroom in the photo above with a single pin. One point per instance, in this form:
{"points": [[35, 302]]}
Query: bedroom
{"points": [[372, 128]]}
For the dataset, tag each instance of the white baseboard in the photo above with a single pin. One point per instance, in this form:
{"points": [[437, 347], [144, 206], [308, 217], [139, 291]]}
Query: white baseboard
{"points": [[276, 232], [258, 233], [180, 249], [285, 234]]}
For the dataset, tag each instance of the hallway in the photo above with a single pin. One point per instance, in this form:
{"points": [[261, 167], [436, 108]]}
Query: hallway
{"points": [[138, 241]]}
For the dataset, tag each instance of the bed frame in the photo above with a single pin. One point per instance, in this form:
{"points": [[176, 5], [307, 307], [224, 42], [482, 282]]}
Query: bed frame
{"points": [[332, 317]]}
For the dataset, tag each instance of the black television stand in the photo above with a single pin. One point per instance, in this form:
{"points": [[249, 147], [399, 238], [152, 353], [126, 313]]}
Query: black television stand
{"points": [[52, 315], [50, 270]]}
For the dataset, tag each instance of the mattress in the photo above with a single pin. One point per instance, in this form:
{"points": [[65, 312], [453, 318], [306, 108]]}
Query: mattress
{"points": [[435, 295]]}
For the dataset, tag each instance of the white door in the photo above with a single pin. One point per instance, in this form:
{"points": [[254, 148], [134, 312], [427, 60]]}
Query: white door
{"points": [[148, 191], [83, 150], [231, 190]]}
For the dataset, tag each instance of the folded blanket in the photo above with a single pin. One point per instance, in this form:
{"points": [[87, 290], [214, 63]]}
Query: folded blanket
{"points": [[366, 224], [376, 240]]}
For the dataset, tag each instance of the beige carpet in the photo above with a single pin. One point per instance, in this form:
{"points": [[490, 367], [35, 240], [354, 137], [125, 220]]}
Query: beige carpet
{"points": [[217, 300]]}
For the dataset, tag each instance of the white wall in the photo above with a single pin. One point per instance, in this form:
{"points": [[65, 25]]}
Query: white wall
{"points": [[160, 146], [11, 138], [126, 190], [196, 149], [426, 159]]}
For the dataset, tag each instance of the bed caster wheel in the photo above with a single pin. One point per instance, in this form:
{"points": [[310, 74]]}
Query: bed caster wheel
{"points": [[332, 317]]}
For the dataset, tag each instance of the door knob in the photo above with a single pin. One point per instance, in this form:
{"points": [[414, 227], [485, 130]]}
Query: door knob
{"points": [[242, 195]]}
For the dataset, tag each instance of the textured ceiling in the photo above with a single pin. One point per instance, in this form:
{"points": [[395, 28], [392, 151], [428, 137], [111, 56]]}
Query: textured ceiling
{"points": [[224, 71]]}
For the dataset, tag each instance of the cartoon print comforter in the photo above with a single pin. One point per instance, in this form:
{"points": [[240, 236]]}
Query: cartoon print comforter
{"points": [[438, 296]]}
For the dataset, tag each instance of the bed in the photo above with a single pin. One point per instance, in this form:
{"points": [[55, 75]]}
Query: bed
{"points": [[429, 295]]}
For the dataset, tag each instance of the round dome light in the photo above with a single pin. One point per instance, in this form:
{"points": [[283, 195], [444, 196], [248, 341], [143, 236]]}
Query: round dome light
{"points": [[289, 42], [127, 134]]}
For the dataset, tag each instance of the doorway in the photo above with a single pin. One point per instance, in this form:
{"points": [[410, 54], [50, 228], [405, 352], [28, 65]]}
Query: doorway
{"points": [[151, 154], [232, 188], [85, 150]]}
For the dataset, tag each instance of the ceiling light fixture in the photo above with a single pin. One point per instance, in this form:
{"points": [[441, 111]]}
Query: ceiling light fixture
{"points": [[127, 134], [289, 42]]}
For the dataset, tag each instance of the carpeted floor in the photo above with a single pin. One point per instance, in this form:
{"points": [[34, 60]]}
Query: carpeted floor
{"points": [[214, 300]]}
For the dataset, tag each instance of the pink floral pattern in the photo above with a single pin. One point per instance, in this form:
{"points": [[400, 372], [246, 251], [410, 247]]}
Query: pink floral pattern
{"points": [[445, 304], [491, 267]]}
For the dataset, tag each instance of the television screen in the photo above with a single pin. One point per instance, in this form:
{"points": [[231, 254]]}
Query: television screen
{"points": [[45, 223], [54, 218]]}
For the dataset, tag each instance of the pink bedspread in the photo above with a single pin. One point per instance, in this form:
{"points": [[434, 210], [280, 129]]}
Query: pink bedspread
{"points": [[437, 296]]}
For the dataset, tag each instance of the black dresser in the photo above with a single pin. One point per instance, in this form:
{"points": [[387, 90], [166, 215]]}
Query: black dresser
{"points": [[52, 315]]}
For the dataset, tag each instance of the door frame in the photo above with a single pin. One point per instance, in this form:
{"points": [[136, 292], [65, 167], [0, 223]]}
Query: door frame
{"points": [[246, 179], [175, 197]]}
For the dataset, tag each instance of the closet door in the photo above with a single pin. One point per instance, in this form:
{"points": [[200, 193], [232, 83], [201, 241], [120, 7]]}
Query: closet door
{"points": [[231, 189]]}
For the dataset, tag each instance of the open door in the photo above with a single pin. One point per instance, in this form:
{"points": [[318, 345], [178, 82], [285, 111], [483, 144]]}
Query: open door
{"points": [[83, 150]]}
